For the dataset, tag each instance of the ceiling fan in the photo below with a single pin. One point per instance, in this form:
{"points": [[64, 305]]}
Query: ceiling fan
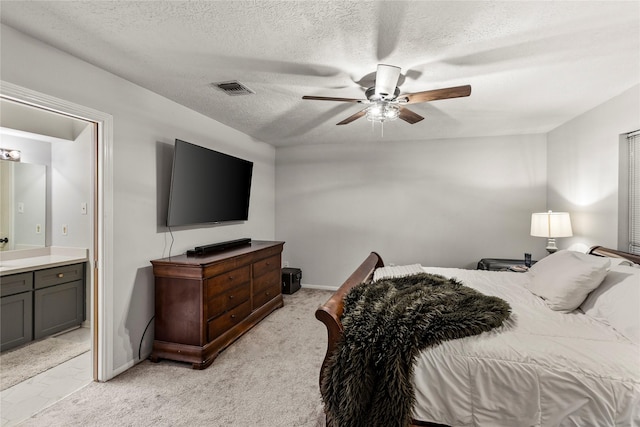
{"points": [[385, 102]]}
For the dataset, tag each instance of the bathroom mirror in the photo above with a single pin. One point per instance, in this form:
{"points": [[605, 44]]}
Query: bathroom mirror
{"points": [[23, 188]]}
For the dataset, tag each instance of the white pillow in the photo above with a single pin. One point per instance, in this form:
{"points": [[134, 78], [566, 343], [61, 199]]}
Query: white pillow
{"points": [[396, 271], [565, 278], [617, 301]]}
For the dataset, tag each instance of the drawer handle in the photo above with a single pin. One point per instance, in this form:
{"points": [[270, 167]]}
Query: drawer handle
{"points": [[60, 275], [231, 296], [267, 293], [233, 316], [268, 263]]}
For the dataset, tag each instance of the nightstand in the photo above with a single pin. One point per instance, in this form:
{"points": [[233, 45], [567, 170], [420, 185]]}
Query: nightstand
{"points": [[500, 264]]}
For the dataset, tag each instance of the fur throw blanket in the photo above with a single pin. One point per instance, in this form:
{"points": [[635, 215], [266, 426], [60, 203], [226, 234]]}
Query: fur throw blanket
{"points": [[368, 378]]}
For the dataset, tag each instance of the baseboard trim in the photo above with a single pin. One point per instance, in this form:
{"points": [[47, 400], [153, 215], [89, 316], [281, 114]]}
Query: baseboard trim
{"points": [[320, 287]]}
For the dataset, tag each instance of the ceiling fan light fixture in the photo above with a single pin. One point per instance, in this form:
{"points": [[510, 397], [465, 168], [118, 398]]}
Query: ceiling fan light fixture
{"points": [[391, 112], [382, 112]]}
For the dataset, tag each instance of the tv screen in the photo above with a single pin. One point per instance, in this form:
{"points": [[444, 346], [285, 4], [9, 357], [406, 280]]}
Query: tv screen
{"points": [[207, 186]]}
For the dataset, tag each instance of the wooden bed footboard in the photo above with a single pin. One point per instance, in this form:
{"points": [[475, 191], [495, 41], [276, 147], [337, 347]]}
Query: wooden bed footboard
{"points": [[331, 312]]}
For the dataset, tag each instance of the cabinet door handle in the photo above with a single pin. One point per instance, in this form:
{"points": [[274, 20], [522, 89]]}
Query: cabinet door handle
{"points": [[60, 275], [267, 293]]}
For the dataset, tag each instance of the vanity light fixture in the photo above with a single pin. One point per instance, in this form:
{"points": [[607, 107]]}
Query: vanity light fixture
{"points": [[10, 154]]}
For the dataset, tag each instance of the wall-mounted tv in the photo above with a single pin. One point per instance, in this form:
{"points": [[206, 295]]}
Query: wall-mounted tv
{"points": [[207, 186]]}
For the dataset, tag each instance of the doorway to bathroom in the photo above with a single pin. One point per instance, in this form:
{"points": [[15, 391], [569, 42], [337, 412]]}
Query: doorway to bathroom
{"points": [[70, 140]]}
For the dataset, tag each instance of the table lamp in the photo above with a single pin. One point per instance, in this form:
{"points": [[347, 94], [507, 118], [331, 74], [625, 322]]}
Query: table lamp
{"points": [[551, 225]]}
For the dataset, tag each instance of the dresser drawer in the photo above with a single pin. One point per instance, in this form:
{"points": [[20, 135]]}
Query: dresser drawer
{"points": [[266, 265], [265, 295], [228, 280], [226, 321], [16, 283], [58, 275], [228, 300], [266, 280]]}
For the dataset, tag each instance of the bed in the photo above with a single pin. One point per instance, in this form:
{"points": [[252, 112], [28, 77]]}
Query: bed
{"points": [[549, 364]]}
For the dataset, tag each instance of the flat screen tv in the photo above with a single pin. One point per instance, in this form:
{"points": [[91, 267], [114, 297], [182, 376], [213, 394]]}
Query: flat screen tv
{"points": [[207, 186]]}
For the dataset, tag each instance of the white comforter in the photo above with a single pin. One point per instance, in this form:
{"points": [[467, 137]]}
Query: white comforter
{"points": [[542, 368]]}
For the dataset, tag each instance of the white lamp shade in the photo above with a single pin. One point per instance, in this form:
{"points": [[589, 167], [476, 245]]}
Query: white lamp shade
{"points": [[551, 224]]}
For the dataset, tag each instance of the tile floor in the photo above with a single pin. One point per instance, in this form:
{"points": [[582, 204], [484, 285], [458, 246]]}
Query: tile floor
{"points": [[31, 396]]}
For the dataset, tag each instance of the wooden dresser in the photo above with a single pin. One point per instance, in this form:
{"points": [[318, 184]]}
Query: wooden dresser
{"points": [[204, 303]]}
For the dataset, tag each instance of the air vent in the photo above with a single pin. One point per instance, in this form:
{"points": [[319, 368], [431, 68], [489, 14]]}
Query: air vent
{"points": [[233, 88]]}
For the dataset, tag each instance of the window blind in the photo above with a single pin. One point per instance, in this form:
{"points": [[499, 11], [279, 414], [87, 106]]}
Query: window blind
{"points": [[634, 192]]}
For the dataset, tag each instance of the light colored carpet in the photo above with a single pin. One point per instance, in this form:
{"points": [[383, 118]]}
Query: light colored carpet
{"points": [[30, 360], [269, 377]]}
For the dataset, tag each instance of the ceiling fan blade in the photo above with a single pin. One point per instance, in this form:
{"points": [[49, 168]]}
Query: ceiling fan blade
{"points": [[433, 95], [330, 98], [356, 116], [386, 80], [409, 116]]}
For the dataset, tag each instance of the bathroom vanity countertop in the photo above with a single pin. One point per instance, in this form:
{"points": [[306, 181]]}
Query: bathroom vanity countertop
{"points": [[35, 260]]}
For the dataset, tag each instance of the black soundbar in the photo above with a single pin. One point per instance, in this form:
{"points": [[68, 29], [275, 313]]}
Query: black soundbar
{"points": [[216, 247]]}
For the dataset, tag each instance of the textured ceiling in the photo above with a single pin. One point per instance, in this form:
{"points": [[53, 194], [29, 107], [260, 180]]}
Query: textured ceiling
{"points": [[532, 65]]}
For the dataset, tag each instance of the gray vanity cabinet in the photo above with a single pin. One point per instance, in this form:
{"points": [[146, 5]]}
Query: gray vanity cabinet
{"points": [[16, 313], [41, 303], [58, 301]]}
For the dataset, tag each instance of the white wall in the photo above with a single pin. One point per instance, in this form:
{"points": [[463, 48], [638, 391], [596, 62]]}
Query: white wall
{"points": [[583, 170], [71, 185], [440, 202], [144, 125]]}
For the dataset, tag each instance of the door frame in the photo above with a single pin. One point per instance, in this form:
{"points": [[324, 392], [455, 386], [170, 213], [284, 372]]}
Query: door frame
{"points": [[102, 188]]}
